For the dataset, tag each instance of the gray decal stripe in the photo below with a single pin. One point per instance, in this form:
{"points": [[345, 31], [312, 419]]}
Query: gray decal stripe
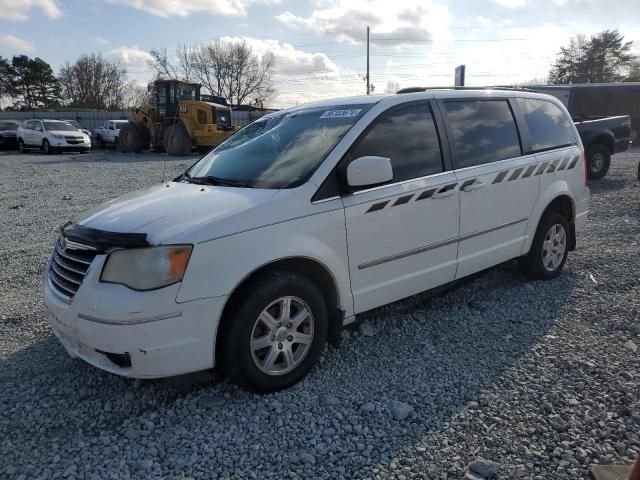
{"points": [[403, 200], [573, 162], [529, 171], [563, 163], [552, 167], [377, 206], [516, 173], [540, 171], [501, 176], [433, 246], [426, 194]]}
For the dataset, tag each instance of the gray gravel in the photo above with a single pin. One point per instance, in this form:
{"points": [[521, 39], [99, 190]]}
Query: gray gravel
{"points": [[499, 376]]}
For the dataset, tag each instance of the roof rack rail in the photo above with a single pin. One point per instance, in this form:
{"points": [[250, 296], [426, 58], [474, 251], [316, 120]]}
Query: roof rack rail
{"points": [[487, 87]]}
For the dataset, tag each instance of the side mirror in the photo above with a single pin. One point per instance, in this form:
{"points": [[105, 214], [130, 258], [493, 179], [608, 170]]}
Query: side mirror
{"points": [[369, 171]]}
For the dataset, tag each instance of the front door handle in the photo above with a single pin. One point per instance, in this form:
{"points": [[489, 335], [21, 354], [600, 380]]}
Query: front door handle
{"points": [[472, 187]]}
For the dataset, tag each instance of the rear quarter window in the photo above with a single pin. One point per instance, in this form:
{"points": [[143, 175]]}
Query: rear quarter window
{"points": [[482, 131], [549, 125]]}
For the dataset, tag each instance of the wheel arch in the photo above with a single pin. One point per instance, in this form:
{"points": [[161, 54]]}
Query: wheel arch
{"points": [[604, 138], [309, 267], [558, 198]]}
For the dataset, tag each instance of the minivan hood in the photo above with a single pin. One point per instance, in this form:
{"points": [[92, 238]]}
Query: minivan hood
{"points": [[173, 212]]}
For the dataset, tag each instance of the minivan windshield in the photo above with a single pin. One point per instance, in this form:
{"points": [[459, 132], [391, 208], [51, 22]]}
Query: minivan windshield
{"points": [[59, 127], [279, 151]]}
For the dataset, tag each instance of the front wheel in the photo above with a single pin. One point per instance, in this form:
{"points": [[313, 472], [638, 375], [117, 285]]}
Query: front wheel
{"points": [[549, 248], [46, 148], [21, 148], [275, 334], [598, 161]]}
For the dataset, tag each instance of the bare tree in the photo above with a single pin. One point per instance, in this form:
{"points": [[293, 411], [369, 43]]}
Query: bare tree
{"points": [[94, 82], [163, 67], [135, 96], [392, 87], [227, 68]]}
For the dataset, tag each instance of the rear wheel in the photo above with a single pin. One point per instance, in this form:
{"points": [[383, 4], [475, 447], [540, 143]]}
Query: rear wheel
{"points": [[177, 140], [99, 142], [549, 248], [598, 161], [275, 334], [133, 137]]}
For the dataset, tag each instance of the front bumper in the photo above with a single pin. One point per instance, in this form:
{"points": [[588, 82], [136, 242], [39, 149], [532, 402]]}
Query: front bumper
{"points": [[134, 334], [8, 142]]}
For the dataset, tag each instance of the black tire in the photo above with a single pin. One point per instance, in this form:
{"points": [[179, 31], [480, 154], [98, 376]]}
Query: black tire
{"points": [[532, 265], [46, 147], [598, 161], [99, 142], [176, 140], [132, 138], [21, 147], [234, 355]]}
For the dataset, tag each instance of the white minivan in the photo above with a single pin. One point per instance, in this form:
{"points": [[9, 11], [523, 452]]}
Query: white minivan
{"points": [[261, 251]]}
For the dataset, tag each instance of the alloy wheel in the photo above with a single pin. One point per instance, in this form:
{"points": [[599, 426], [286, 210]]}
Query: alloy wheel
{"points": [[282, 336], [554, 247]]}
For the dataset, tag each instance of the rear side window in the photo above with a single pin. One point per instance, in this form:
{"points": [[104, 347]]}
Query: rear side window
{"points": [[549, 126], [406, 136], [483, 131]]}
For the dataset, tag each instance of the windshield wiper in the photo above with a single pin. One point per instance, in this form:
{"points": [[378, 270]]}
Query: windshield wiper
{"points": [[225, 182]]}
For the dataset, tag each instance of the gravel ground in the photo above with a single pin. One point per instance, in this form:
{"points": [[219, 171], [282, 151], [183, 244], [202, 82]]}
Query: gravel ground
{"points": [[529, 379]]}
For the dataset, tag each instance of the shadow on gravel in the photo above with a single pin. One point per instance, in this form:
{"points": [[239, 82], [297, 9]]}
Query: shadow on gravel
{"points": [[606, 185], [437, 352]]}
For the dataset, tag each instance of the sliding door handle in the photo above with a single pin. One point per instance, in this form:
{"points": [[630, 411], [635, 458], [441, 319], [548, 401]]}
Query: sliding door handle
{"points": [[472, 187]]}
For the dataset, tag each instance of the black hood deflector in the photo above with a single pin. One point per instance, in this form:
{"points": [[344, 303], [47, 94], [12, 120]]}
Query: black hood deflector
{"points": [[102, 240]]}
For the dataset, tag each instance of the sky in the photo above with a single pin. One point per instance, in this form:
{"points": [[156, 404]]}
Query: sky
{"points": [[320, 45]]}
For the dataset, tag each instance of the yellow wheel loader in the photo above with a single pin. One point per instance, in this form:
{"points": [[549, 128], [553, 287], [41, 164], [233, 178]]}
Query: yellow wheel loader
{"points": [[179, 120]]}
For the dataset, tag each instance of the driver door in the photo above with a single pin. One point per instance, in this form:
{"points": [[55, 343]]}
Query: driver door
{"points": [[402, 236]]}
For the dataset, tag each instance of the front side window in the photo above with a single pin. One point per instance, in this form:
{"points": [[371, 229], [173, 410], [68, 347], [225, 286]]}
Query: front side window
{"points": [[549, 126], [280, 154], [406, 136], [483, 131]]}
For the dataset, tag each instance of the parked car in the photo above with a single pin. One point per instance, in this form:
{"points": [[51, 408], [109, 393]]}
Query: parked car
{"points": [[8, 133], [261, 251], [602, 138], [51, 136], [108, 133]]}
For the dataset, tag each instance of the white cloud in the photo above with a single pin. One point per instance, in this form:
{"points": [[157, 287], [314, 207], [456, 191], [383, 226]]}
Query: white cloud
{"points": [[184, 8], [102, 41], [16, 44], [300, 76], [393, 23], [511, 3], [132, 57], [19, 10]]}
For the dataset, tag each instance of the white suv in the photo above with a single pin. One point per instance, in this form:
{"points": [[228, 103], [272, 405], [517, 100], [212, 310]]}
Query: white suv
{"points": [[260, 252], [50, 136]]}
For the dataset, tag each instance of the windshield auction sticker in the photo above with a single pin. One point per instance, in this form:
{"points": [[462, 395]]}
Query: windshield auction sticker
{"points": [[341, 113]]}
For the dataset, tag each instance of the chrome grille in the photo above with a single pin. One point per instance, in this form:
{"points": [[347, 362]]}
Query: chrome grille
{"points": [[68, 267]]}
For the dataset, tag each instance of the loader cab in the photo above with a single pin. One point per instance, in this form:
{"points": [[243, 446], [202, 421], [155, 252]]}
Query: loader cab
{"points": [[170, 92]]}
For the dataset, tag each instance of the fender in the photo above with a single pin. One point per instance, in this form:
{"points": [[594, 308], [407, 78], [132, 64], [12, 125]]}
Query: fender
{"points": [[217, 267], [553, 191]]}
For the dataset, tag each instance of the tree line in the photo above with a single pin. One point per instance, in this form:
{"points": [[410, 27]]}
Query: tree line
{"points": [[91, 82], [227, 68]]}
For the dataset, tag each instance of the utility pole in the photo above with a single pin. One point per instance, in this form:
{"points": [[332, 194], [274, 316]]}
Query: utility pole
{"points": [[368, 85]]}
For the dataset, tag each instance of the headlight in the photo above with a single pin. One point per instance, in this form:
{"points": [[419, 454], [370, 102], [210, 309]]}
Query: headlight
{"points": [[147, 268]]}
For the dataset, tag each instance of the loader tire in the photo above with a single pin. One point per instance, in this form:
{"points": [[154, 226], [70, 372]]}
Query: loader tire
{"points": [[133, 137], [177, 140]]}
